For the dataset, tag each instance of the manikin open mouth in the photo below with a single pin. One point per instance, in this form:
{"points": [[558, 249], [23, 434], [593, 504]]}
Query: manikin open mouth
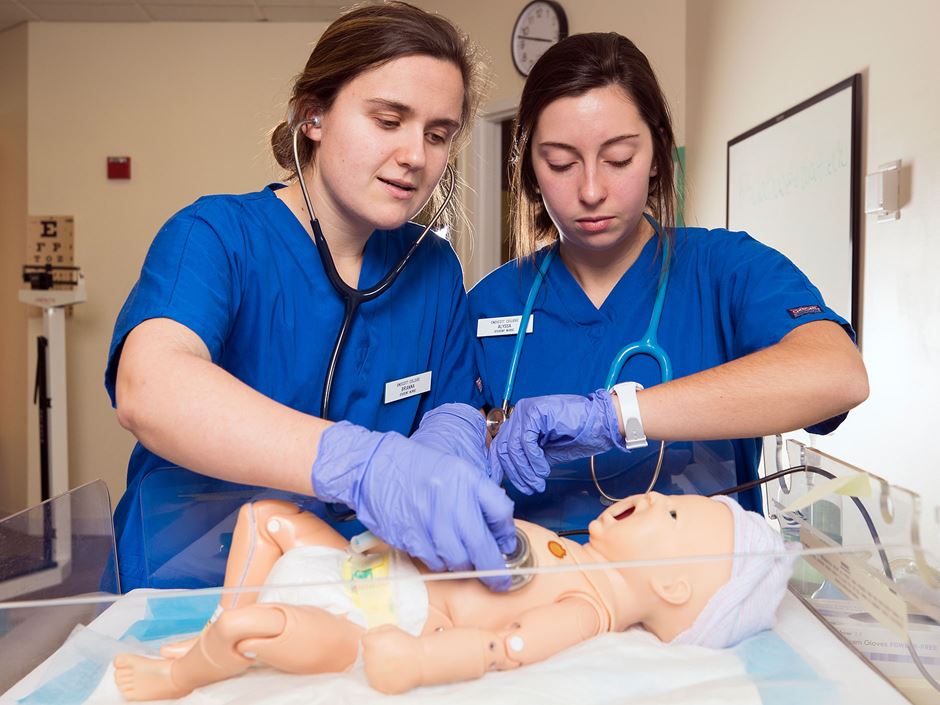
{"points": [[625, 513]]}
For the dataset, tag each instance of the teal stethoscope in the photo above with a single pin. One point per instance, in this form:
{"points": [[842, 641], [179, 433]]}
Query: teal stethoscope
{"points": [[647, 345]]}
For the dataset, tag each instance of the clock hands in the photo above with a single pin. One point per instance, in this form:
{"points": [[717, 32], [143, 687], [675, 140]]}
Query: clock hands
{"points": [[536, 39]]}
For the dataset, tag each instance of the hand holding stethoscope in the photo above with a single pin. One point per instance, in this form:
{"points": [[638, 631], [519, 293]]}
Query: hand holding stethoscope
{"points": [[548, 430]]}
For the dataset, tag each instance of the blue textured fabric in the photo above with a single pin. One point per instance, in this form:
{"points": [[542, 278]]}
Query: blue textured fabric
{"points": [[172, 617], [782, 677], [728, 296], [242, 273], [69, 688]]}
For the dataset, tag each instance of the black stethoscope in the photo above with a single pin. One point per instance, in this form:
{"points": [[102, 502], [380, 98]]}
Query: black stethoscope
{"points": [[351, 296]]}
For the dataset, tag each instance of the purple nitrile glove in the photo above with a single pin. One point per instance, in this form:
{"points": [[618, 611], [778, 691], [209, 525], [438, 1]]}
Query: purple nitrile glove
{"points": [[457, 429], [432, 505], [549, 430]]}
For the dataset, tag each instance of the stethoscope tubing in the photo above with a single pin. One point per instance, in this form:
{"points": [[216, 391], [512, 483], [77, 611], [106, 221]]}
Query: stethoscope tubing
{"points": [[351, 296], [647, 345], [523, 324]]}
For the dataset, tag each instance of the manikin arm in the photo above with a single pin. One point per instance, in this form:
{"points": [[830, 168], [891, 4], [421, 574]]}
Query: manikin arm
{"points": [[396, 662]]}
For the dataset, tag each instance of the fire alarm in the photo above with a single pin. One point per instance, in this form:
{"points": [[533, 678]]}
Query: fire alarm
{"points": [[119, 167]]}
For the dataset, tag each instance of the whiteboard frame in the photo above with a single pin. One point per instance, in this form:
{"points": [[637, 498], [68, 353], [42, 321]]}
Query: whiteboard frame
{"points": [[853, 84]]}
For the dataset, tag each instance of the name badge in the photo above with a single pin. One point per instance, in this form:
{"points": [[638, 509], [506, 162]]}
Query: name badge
{"points": [[407, 387], [507, 325]]}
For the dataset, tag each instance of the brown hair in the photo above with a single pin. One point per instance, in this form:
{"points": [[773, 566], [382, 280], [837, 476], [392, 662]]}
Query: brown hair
{"points": [[574, 66], [367, 37]]}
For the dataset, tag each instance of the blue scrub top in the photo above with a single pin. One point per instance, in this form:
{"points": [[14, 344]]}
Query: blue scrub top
{"points": [[728, 296], [244, 275]]}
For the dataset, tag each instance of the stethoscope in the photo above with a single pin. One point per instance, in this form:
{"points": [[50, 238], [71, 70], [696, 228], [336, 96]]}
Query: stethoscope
{"points": [[646, 345], [351, 296]]}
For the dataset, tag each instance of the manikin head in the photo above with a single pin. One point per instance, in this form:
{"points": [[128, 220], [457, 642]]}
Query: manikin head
{"points": [[714, 603]]}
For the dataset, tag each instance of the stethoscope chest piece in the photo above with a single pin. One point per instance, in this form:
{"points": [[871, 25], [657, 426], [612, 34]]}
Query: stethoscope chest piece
{"points": [[521, 557], [494, 419]]}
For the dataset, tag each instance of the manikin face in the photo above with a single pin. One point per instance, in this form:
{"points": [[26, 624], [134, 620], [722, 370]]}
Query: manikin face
{"points": [[384, 143], [663, 526], [592, 157]]}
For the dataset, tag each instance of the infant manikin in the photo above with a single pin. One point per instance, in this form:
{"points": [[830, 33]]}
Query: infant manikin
{"points": [[411, 632]]}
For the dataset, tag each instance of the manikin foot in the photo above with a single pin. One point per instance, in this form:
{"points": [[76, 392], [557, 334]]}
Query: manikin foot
{"points": [[142, 678], [178, 648]]}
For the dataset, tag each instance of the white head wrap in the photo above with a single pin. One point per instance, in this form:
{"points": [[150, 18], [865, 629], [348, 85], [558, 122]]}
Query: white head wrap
{"points": [[747, 603]]}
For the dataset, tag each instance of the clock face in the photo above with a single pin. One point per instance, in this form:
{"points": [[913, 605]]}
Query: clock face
{"points": [[540, 25]]}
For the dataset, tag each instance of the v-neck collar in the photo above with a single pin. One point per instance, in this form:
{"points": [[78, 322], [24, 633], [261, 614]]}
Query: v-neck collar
{"points": [[641, 277], [374, 255]]}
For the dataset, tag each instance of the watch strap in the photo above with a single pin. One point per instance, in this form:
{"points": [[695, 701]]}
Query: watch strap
{"points": [[633, 435]]}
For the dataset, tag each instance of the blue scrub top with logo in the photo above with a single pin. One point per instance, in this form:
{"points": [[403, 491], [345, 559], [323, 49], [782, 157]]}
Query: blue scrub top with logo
{"points": [[728, 296], [242, 273]]}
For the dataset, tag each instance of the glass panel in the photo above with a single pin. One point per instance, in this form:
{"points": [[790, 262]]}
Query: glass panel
{"points": [[63, 547], [883, 603], [686, 581]]}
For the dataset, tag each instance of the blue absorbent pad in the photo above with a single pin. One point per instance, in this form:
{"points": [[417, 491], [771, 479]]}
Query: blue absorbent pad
{"points": [[781, 675], [73, 673], [172, 617]]}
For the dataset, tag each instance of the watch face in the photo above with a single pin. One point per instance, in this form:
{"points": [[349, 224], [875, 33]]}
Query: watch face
{"points": [[540, 25]]}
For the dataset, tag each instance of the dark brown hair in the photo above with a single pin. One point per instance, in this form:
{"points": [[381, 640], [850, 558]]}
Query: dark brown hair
{"points": [[365, 38], [571, 68]]}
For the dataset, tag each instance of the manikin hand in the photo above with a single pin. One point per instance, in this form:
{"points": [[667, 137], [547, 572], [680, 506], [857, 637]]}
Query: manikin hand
{"points": [[434, 506], [545, 431], [392, 659], [457, 429]]}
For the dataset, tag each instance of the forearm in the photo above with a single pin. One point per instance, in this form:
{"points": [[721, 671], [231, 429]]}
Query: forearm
{"points": [[396, 662], [813, 374], [188, 410]]}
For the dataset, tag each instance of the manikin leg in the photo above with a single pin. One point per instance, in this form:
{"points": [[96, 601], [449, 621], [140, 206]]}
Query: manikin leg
{"points": [[264, 531], [290, 638]]}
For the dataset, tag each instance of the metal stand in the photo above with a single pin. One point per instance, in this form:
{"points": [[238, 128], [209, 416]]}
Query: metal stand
{"points": [[52, 463]]}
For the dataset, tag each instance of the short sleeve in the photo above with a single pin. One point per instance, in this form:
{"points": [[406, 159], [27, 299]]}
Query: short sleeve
{"points": [[768, 295], [188, 276]]}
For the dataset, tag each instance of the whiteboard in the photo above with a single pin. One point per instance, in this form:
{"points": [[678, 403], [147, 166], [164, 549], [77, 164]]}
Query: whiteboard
{"points": [[794, 184]]}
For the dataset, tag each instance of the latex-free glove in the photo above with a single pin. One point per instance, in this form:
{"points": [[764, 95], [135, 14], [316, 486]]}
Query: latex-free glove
{"points": [[549, 430], [458, 429], [432, 505]]}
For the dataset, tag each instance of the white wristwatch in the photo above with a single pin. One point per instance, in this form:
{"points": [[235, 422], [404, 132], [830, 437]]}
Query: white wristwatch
{"points": [[630, 412]]}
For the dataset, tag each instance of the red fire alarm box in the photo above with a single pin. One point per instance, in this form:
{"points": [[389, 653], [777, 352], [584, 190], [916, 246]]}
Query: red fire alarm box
{"points": [[119, 167]]}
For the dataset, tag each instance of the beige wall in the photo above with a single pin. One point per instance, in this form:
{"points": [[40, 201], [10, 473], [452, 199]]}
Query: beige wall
{"points": [[191, 105], [747, 61], [657, 27], [13, 44]]}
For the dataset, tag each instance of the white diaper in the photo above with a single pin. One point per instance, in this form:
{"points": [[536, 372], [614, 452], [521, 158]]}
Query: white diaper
{"points": [[403, 603]]}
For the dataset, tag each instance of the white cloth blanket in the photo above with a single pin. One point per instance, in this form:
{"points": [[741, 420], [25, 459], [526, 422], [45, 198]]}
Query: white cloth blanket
{"points": [[633, 667]]}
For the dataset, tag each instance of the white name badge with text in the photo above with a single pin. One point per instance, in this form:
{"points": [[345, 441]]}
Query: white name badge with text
{"points": [[407, 387], [506, 325]]}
